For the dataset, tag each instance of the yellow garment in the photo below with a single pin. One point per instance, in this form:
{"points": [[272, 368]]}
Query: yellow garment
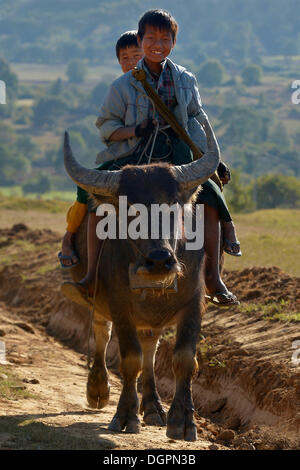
{"points": [[75, 216]]}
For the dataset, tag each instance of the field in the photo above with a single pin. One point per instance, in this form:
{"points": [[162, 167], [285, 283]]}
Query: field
{"points": [[44, 74], [268, 237]]}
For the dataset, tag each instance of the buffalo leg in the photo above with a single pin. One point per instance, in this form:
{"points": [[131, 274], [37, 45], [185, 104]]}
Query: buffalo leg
{"points": [[126, 416], [151, 406], [180, 421], [97, 392]]}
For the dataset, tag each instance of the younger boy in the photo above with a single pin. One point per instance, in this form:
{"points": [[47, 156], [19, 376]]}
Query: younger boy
{"points": [[128, 53]]}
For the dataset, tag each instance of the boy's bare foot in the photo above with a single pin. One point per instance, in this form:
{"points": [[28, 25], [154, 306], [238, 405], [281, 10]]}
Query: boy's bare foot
{"points": [[218, 292], [222, 299], [67, 250], [231, 243]]}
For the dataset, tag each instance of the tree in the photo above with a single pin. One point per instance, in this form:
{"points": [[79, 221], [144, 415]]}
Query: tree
{"points": [[76, 71], [275, 190], [10, 78], [40, 185], [47, 110], [98, 94], [27, 147], [280, 136], [78, 147], [239, 195], [244, 124], [56, 88], [13, 162], [251, 75], [211, 73]]}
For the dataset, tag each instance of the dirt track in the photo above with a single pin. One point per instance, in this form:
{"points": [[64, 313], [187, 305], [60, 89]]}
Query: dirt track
{"points": [[247, 382], [59, 400]]}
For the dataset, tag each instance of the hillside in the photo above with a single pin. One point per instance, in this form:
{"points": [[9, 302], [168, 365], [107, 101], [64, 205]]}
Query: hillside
{"points": [[256, 123], [33, 31]]}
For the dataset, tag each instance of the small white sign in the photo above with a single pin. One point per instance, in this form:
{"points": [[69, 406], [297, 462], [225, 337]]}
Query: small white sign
{"points": [[2, 92], [296, 94], [2, 353], [296, 353]]}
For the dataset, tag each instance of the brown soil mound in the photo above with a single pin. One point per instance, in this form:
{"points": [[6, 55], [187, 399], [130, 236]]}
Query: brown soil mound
{"points": [[246, 381], [264, 285]]}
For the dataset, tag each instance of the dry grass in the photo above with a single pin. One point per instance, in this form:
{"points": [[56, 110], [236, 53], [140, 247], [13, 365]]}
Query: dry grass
{"points": [[42, 73], [268, 237]]}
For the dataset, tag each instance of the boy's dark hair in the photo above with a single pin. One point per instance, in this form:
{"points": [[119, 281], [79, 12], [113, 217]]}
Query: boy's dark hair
{"points": [[127, 39], [161, 19], [222, 169]]}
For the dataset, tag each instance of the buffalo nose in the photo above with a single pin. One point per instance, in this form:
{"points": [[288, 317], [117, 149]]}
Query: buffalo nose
{"points": [[160, 259]]}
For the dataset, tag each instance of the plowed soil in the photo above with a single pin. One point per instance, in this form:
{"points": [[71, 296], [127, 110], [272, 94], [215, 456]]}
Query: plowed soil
{"points": [[246, 393]]}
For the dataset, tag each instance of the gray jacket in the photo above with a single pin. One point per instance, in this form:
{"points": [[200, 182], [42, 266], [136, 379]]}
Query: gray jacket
{"points": [[127, 104]]}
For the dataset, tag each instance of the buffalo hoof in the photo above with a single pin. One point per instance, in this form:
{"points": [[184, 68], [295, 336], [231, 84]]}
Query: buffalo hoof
{"points": [[154, 419], [132, 426], [154, 414], [182, 432], [97, 392], [180, 423]]}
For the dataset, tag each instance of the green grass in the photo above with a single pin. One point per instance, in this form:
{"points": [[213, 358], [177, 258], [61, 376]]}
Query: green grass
{"points": [[45, 269], [12, 388], [275, 311], [46, 204], [284, 317], [205, 349]]}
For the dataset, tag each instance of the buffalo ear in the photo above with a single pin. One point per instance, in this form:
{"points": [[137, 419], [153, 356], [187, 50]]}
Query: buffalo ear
{"points": [[189, 196]]}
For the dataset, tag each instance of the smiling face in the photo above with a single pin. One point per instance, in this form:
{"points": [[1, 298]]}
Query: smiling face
{"points": [[157, 45], [129, 57]]}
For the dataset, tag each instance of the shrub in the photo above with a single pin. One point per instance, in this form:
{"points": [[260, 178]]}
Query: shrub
{"points": [[211, 73], [251, 75], [275, 190], [38, 185], [76, 71]]}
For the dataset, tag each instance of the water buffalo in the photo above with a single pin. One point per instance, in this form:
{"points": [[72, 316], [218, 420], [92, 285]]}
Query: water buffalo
{"points": [[129, 311]]}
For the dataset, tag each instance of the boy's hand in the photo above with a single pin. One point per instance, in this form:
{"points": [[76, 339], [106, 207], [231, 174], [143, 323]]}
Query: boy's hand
{"points": [[146, 128]]}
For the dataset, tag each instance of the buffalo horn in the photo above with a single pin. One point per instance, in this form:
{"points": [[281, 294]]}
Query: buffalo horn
{"points": [[189, 176], [102, 182]]}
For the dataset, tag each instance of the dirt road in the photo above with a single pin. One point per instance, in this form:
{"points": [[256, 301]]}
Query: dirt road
{"points": [[57, 406]]}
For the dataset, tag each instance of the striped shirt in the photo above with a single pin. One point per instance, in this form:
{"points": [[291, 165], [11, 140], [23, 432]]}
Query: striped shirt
{"points": [[163, 83]]}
